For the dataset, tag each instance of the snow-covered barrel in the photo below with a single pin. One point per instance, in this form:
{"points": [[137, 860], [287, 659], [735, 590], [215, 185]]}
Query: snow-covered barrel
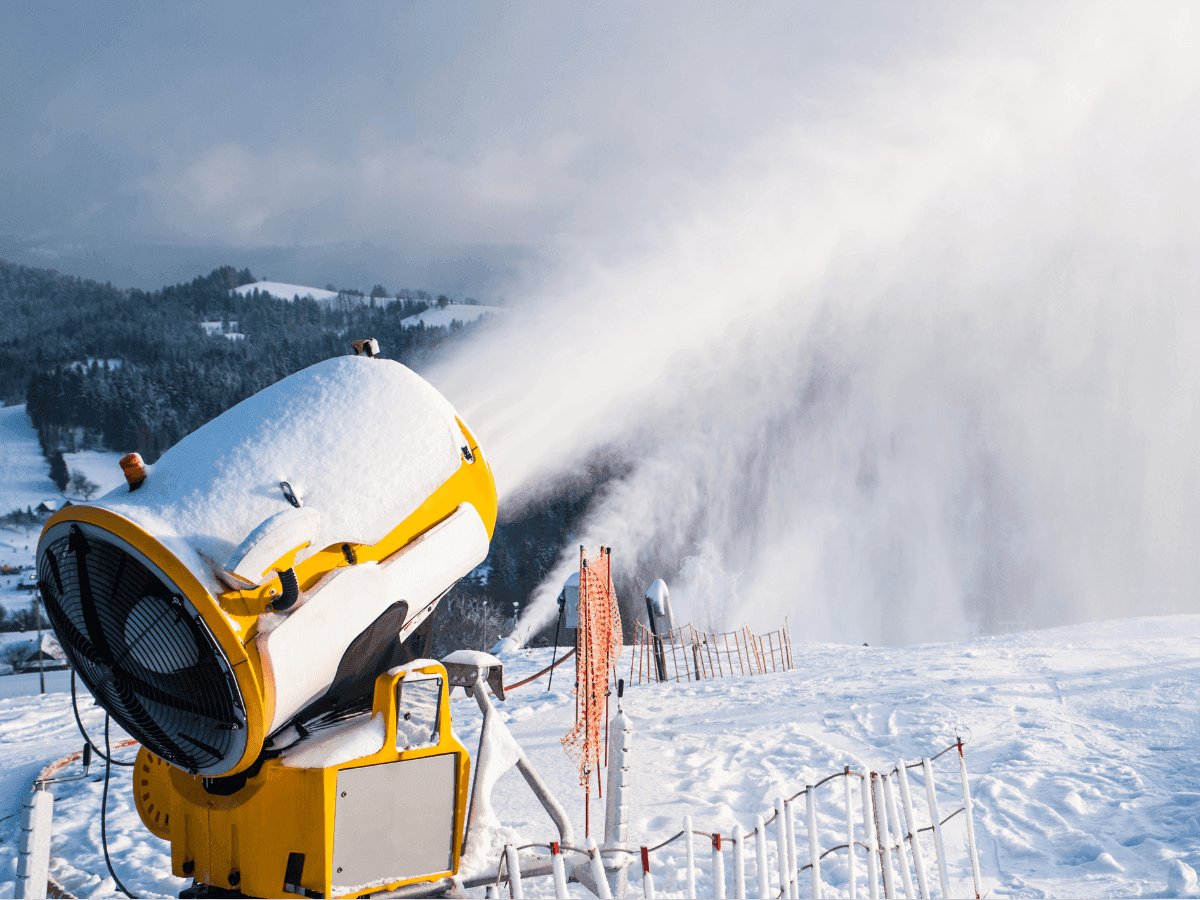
{"points": [[272, 562]]}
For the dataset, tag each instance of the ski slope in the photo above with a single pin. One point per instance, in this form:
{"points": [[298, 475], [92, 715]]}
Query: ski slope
{"points": [[441, 317], [1081, 757], [283, 291]]}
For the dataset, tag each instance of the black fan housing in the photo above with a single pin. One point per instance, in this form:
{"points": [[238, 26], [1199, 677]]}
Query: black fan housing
{"points": [[141, 648]]}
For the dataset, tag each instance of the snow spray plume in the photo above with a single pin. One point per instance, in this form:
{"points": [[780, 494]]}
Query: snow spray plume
{"points": [[922, 362]]}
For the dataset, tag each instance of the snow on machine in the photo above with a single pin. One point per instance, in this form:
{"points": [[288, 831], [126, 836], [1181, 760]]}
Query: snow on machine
{"points": [[256, 611]]}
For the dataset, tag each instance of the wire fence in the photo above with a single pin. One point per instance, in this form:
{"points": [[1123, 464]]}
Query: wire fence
{"points": [[882, 840], [688, 654]]}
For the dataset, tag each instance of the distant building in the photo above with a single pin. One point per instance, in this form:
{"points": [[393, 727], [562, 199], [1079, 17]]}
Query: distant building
{"points": [[48, 657]]}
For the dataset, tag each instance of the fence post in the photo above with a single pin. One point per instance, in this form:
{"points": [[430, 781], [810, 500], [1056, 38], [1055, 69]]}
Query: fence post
{"points": [[514, 871], [718, 868], [560, 875], [793, 863], [814, 847], [785, 883], [593, 851], [864, 789], [883, 835], [853, 875], [898, 826], [739, 863], [33, 850], [691, 857], [966, 792], [647, 877], [914, 840], [931, 793], [760, 851]]}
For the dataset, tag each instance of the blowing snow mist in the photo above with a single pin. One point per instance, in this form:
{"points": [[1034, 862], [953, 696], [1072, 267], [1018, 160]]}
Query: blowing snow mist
{"points": [[910, 364]]}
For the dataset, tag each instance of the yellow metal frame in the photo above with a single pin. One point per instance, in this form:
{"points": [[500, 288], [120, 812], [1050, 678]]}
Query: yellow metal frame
{"points": [[232, 617], [243, 840]]}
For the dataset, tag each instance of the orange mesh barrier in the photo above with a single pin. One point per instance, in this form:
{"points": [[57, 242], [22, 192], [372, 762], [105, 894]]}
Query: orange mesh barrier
{"points": [[598, 644]]}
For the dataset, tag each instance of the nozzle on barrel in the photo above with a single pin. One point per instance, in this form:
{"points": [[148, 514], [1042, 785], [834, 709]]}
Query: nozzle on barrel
{"points": [[134, 469]]}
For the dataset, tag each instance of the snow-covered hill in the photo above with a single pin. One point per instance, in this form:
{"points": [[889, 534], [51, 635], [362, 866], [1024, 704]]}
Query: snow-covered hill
{"points": [[442, 316], [1081, 757], [284, 291]]}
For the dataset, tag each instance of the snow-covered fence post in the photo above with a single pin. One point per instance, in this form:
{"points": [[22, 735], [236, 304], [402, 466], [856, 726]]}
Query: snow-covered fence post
{"points": [[883, 835], [814, 849], [514, 870], [931, 793], [560, 874], [739, 863], [898, 827], [33, 851], [864, 786], [647, 876], [793, 863], [718, 867], [966, 793], [760, 853], [616, 813], [851, 873], [597, 861], [691, 857], [781, 848], [910, 823]]}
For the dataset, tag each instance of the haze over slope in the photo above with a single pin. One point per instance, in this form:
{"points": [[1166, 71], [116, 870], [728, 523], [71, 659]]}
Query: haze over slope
{"points": [[921, 355]]}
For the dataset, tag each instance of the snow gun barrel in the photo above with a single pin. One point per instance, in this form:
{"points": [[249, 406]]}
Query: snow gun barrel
{"points": [[272, 564]]}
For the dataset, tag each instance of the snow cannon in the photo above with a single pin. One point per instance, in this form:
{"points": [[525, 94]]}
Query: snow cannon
{"points": [[256, 609]]}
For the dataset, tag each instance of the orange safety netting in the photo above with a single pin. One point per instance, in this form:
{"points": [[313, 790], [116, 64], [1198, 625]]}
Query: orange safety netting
{"points": [[598, 644]]}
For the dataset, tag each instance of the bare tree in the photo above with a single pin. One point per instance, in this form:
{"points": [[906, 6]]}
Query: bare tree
{"points": [[82, 486]]}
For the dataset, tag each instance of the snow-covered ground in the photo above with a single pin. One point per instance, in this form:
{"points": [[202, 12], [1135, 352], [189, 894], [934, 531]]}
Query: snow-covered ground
{"points": [[284, 291], [1081, 757], [443, 316], [102, 467], [24, 474]]}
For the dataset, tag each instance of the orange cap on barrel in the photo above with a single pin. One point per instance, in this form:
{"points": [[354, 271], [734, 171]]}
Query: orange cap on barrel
{"points": [[134, 469]]}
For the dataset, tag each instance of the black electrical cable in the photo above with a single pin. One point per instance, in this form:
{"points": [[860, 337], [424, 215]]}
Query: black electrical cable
{"points": [[83, 731], [104, 811]]}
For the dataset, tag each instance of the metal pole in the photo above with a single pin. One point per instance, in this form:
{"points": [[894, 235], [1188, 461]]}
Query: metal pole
{"points": [[785, 883], [814, 849], [760, 852], [962, 768], [37, 612], [883, 835], [898, 827], [647, 877], [718, 868], [931, 793], [864, 785], [910, 821], [514, 870], [560, 875], [691, 857], [739, 863], [853, 886]]}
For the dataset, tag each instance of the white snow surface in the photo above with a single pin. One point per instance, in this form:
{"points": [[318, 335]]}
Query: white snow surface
{"points": [[1081, 758], [283, 291], [442, 317], [353, 740], [362, 441], [24, 473], [101, 467], [472, 658]]}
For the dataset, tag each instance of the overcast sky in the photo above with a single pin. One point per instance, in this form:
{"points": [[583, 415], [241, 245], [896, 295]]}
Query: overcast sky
{"points": [[447, 141]]}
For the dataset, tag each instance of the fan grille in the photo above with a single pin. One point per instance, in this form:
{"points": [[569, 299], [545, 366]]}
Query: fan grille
{"points": [[140, 648]]}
